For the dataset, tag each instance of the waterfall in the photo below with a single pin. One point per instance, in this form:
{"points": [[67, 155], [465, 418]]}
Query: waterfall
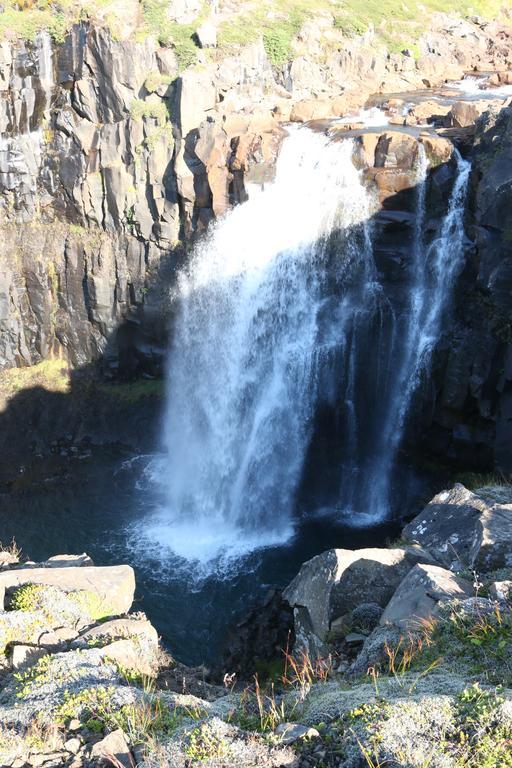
{"points": [[250, 327], [279, 314], [414, 331]]}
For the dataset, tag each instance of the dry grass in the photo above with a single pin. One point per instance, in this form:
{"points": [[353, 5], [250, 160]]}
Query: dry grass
{"points": [[52, 375]]}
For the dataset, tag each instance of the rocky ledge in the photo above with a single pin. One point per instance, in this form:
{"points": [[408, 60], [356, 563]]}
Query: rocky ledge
{"points": [[401, 657]]}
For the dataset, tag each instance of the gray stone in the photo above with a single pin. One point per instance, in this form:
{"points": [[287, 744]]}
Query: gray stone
{"points": [[113, 585], [501, 590], [68, 561], [207, 35], [23, 656], [118, 629], [73, 745], [466, 529], [373, 654], [333, 583], [417, 597], [131, 656], [292, 732], [7, 558], [113, 746], [57, 638], [355, 638]]}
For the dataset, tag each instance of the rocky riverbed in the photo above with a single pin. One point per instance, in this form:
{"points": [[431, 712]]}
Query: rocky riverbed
{"points": [[401, 656]]}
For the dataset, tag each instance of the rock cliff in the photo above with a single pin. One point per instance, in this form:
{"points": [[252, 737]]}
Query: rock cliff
{"points": [[116, 154]]}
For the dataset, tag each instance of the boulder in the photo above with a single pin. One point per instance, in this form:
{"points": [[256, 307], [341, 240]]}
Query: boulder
{"points": [[68, 561], [464, 113], [501, 590], [367, 144], [118, 629], [113, 747], [131, 656], [23, 656], [427, 112], [112, 586], [333, 583], [418, 595], [373, 653], [492, 542], [291, 732], [207, 35], [8, 558], [396, 150], [390, 181], [466, 529], [437, 149], [197, 96]]}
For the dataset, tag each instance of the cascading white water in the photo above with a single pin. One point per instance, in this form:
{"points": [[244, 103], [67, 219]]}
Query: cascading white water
{"points": [[434, 268], [282, 309], [243, 363]]}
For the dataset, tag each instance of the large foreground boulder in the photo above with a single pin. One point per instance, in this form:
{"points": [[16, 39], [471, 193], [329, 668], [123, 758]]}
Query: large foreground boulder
{"points": [[111, 587], [466, 529], [331, 584]]}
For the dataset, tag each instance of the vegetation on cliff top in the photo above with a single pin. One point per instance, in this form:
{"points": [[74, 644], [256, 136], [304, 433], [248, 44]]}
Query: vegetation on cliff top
{"points": [[277, 21]]}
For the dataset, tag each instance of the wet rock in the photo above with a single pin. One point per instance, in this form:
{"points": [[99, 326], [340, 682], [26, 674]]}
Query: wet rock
{"points": [[437, 149], [396, 150], [418, 595]]}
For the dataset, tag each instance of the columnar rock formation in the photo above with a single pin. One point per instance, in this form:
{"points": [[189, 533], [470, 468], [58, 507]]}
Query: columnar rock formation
{"points": [[112, 160]]}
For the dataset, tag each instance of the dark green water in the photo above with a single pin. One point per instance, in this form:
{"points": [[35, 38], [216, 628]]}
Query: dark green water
{"points": [[98, 505]]}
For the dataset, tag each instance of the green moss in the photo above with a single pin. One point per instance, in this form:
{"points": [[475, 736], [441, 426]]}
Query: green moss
{"points": [[179, 36], [34, 676], [28, 597], [134, 391], [92, 706], [203, 745], [91, 604], [155, 79], [156, 110]]}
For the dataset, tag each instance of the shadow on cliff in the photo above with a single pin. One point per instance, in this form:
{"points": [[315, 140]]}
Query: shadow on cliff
{"points": [[119, 405]]}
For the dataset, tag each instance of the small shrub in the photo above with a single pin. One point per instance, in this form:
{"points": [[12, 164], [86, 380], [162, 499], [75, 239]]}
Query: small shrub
{"points": [[156, 110], [204, 745]]}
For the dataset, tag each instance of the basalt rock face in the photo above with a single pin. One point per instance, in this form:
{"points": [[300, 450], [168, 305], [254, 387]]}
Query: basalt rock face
{"points": [[106, 161], [470, 401], [110, 159]]}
